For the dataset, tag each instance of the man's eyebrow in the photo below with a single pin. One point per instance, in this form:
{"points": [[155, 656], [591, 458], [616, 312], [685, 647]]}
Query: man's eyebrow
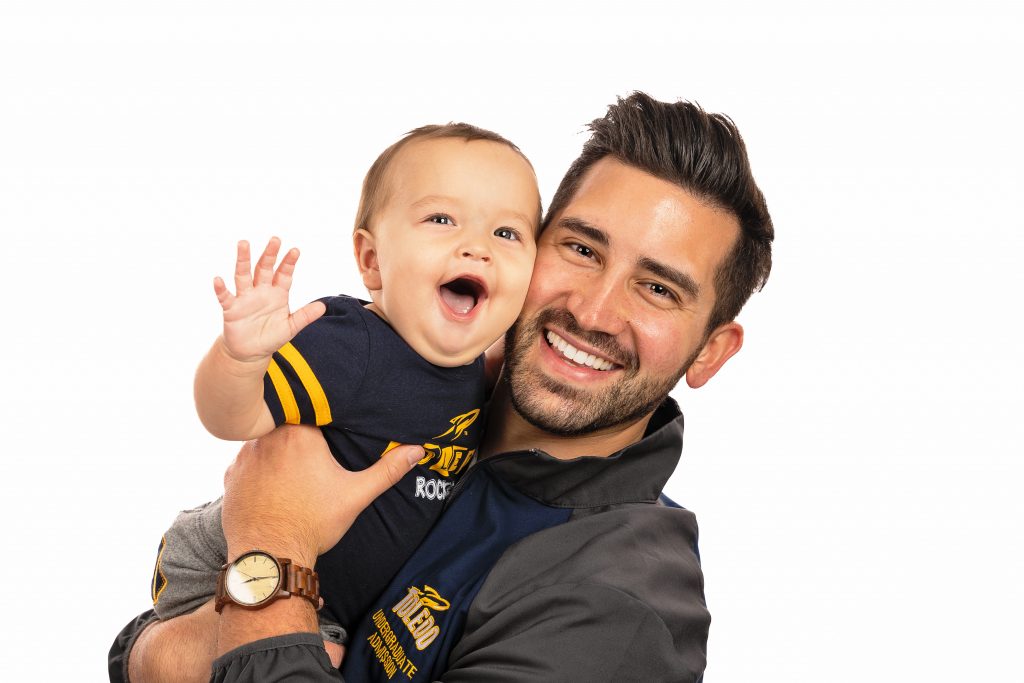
{"points": [[680, 279], [585, 229], [676, 277]]}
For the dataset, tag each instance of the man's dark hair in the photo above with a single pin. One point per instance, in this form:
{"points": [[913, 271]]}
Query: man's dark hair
{"points": [[702, 153], [375, 184]]}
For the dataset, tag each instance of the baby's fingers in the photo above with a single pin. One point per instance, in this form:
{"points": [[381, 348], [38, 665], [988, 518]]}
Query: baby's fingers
{"points": [[265, 267], [283, 276], [224, 295], [306, 315], [243, 268]]}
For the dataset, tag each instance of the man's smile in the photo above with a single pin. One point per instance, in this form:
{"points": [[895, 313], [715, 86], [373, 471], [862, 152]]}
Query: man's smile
{"points": [[577, 356]]}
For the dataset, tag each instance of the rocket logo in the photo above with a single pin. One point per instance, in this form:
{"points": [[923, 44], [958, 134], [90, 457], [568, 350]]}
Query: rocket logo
{"points": [[448, 458]]}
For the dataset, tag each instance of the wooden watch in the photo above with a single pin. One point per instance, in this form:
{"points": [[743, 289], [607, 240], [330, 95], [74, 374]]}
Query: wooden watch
{"points": [[257, 578]]}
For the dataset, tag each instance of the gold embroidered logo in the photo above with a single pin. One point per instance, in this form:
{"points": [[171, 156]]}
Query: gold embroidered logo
{"points": [[460, 423], [414, 611], [448, 459]]}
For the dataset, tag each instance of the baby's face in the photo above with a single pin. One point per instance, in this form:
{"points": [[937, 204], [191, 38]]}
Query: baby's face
{"points": [[450, 253]]}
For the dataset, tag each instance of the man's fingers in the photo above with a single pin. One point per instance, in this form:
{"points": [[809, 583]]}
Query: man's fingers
{"points": [[335, 652], [245, 451], [385, 473]]}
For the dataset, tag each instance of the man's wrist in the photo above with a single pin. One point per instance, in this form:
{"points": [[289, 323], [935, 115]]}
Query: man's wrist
{"points": [[238, 625]]}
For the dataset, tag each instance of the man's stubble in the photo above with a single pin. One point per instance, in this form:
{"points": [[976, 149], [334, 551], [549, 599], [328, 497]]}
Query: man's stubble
{"points": [[580, 411]]}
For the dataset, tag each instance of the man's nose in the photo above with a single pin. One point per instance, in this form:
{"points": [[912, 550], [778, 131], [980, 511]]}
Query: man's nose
{"points": [[599, 303]]}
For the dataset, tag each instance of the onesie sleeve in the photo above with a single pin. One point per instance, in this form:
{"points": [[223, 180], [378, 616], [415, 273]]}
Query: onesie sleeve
{"points": [[312, 378]]}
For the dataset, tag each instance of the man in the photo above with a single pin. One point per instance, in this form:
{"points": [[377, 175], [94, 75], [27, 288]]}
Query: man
{"points": [[556, 558]]}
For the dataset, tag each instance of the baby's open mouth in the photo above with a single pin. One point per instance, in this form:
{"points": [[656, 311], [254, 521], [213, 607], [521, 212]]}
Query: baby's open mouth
{"points": [[463, 294]]}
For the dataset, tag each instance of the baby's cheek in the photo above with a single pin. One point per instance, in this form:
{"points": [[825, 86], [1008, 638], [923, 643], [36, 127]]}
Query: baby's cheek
{"points": [[520, 280]]}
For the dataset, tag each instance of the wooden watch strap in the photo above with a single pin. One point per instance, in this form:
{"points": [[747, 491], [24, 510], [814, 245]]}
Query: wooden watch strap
{"points": [[301, 581]]}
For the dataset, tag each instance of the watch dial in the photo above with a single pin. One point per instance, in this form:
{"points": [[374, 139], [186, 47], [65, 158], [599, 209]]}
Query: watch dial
{"points": [[252, 578]]}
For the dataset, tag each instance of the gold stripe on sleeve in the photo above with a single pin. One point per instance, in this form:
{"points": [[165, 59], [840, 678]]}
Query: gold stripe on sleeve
{"points": [[321, 408], [284, 393], [159, 580]]}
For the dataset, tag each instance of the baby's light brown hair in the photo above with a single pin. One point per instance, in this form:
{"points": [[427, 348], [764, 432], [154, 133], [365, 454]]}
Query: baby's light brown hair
{"points": [[375, 184]]}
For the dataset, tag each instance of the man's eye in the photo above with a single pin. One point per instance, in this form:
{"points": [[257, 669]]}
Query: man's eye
{"points": [[441, 219], [660, 291], [507, 234], [585, 252]]}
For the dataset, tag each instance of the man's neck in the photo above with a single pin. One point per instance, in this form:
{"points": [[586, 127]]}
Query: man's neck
{"points": [[508, 431]]}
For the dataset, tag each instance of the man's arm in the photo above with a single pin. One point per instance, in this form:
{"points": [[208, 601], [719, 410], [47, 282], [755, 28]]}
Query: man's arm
{"points": [[180, 650], [285, 494]]}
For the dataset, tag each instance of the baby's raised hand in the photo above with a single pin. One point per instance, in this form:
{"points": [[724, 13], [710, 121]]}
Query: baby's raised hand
{"points": [[257, 320]]}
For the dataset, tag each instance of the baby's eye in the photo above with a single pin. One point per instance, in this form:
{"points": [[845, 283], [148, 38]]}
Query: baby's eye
{"points": [[441, 219], [507, 234]]}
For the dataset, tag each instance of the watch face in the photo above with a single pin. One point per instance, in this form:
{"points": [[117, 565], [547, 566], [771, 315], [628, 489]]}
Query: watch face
{"points": [[252, 578]]}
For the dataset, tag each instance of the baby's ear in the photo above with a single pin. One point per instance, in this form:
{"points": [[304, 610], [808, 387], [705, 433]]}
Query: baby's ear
{"points": [[366, 257]]}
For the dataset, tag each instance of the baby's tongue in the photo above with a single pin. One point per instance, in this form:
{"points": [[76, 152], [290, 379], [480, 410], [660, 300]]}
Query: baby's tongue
{"points": [[460, 303]]}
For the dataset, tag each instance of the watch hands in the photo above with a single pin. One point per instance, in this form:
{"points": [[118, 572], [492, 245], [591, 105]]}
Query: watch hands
{"points": [[258, 578]]}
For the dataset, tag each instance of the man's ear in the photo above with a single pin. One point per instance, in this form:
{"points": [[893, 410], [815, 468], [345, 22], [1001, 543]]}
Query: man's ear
{"points": [[366, 257], [721, 345]]}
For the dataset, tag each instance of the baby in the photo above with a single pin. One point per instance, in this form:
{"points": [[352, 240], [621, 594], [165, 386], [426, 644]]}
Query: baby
{"points": [[445, 239]]}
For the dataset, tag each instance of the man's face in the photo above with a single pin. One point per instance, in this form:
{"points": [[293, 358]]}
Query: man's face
{"points": [[622, 291]]}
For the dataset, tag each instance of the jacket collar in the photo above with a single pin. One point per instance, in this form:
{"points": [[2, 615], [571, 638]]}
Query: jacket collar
{"points": [[636, 474]]}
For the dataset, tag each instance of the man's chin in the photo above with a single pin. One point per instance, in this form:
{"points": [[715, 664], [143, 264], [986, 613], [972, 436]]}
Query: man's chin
{"points": [[557, 407], [548, 414], [564, 410]]}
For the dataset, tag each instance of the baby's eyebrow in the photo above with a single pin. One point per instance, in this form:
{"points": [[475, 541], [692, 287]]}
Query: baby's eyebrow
{"points": [[532, 222], [434, 199]]}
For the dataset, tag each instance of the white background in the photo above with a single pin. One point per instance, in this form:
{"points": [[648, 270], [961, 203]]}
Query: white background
{"points": [[855, 470]]}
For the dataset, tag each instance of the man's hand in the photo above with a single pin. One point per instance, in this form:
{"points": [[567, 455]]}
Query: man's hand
{"points": [[285, 493], [257, 320]]}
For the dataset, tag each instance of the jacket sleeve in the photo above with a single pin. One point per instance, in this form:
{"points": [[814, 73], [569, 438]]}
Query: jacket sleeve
{"points": [[615, 596], [292, 657], [575, 632]]}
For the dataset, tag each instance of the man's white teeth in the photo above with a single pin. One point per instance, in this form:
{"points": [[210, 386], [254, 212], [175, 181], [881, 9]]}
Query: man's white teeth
{"points": [[579, 356]]}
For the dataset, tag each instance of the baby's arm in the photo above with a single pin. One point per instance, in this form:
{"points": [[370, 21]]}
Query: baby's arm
{"points": [[257, 322]]}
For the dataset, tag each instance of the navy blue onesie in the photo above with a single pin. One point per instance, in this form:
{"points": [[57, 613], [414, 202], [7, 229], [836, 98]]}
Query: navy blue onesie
{"points": [[353, 376]]}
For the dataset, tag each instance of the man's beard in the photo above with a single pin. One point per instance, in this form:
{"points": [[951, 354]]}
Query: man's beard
{"points": [[579, 411]]}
